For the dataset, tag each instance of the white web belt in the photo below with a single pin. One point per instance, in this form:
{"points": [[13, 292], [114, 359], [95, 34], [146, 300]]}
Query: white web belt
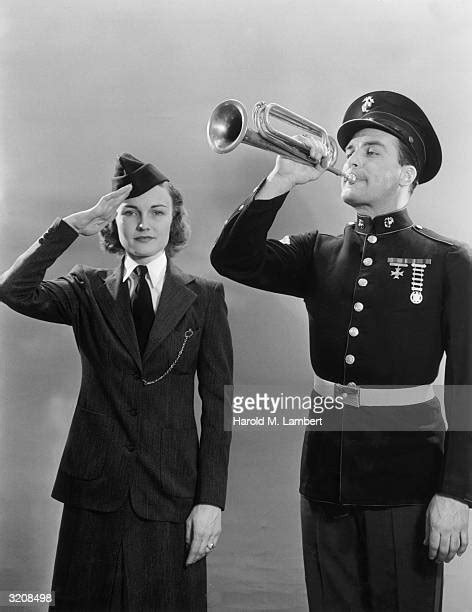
{"points": [[368, 396]]}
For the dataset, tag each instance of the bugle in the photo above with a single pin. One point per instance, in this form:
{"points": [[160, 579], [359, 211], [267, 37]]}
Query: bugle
{"points": [[228, 127]]}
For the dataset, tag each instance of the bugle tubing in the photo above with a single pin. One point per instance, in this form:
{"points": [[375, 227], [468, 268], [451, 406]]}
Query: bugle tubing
{"points": [[228, 127]]}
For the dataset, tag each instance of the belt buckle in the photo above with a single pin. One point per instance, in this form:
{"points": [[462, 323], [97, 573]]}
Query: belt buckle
{"points": [[350, 395]]}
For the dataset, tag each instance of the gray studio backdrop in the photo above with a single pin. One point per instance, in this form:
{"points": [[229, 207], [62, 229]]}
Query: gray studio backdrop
{"points": [[82, 81]]}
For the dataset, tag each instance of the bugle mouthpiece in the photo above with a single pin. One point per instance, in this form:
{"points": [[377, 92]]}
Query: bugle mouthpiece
{"points": [[350, 178]]}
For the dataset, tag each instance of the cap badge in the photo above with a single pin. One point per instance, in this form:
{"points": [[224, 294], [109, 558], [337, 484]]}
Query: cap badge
{"points": [[360, 223], [367, 103], [388, 222]]}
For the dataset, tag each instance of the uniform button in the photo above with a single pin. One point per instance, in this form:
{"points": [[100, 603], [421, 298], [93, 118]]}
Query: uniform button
{"points": [[241, 207], [358, 306], [419, 226], [372, 239], [353, 332], [349, 359], [368, 261], [351, 384], [362, 282]]}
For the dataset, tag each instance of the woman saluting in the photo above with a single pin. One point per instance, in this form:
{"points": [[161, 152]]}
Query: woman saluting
{"points": [[142, 493]]}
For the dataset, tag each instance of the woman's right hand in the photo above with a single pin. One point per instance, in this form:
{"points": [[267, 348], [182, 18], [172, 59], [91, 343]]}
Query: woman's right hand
{"points": [[91, 221]]}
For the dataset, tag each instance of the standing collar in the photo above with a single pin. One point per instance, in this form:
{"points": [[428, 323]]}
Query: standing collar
{"points": [[383, 224], [156, 268]]}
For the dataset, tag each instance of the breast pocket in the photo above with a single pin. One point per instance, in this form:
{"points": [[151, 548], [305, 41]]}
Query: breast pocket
{"points": [[86, 447]]}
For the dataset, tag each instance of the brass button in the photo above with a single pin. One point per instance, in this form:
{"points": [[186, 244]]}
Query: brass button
{"points": [[358, 306], [351, 384], [372, 239], [368, 261], [349, 359], [353, 332], [362, 282]]}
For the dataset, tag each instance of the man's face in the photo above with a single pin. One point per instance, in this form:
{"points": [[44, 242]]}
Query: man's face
{"points": [[144, 223], [372, 155]]}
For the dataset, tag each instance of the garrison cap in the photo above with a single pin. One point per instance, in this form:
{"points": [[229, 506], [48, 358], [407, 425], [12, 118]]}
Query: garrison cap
{"points": [[143, 177], [394, 113]]}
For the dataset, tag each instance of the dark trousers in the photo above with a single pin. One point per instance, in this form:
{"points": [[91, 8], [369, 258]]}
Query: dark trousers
{"points": [[117, 561], [365, 559]]}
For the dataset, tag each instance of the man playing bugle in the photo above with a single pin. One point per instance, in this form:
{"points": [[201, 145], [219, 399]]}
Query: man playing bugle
{"points": [[382, 507]]}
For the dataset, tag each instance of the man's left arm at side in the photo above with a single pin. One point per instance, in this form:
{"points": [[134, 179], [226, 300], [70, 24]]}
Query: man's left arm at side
{"points": [[448, 513]]}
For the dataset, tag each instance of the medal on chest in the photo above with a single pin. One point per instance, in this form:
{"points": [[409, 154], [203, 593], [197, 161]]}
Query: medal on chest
{"points": [[399, 265]]}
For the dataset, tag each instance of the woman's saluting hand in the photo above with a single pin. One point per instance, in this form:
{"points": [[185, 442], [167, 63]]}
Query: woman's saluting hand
{"points": [[91, 221]]}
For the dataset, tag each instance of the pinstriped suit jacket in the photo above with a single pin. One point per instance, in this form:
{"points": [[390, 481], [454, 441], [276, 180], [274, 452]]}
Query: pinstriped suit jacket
{"points": [[126, 435]]}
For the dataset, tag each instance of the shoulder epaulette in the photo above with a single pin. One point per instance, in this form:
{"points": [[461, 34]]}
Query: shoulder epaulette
{"points": [[427, 233]]}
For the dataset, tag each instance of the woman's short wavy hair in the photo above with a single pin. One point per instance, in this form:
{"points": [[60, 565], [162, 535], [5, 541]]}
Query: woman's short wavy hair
{"points": [[179, 233]]}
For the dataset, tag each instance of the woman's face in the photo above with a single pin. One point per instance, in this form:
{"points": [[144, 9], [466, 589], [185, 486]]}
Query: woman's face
{"points": [[144, 224]]}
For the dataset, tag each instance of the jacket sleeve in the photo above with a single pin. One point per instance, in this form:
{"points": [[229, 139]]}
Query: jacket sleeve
{"points": [[23, 289], [457, 324], [215, 376], [244, 254]]}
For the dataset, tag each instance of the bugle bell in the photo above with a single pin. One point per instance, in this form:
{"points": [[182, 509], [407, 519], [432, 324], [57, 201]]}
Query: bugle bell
{"points": [[228, 127]]}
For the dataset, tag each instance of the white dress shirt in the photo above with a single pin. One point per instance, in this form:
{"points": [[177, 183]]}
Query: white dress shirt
{"points": [[156, 271]]}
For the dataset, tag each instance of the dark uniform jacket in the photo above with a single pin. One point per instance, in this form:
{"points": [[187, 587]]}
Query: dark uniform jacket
{"points": [[128, 436], [384, 301]]}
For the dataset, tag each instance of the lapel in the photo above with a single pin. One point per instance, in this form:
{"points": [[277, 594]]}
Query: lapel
{"points": [[175, 300], [113, 296]]}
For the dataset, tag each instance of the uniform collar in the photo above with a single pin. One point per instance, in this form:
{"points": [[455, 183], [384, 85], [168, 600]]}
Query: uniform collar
{"points": [[156, 268], [383, 224]]}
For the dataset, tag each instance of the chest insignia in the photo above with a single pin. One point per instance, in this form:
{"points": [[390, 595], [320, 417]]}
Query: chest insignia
{"points": [[397, 272], [418, 266]]}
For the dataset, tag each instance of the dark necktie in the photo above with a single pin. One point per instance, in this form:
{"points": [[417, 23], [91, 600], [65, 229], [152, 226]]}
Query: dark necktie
{"points": [[143, 311]]}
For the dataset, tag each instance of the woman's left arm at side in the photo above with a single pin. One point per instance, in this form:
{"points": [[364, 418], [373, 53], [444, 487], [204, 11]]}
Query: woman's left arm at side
{"points": [[215, 372]]}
